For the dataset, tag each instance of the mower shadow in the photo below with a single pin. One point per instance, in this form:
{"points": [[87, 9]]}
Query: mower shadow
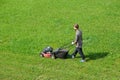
{"points": [[69, 56], [94, 56]]}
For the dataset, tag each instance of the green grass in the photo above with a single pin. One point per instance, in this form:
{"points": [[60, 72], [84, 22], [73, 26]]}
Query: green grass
{"points": [[28, 26]]}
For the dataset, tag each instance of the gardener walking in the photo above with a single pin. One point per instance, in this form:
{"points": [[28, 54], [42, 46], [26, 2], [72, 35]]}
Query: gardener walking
{"points": [[78, 43]]}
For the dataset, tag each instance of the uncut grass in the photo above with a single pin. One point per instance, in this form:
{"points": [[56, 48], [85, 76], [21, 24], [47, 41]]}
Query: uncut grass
{"points": [[34, 25]]}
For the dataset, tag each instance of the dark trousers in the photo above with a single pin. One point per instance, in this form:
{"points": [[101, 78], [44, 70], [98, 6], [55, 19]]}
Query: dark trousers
{"points": [[80, 52]]}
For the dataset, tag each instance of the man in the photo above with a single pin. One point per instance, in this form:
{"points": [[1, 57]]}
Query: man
{"points": [[78, 43]]}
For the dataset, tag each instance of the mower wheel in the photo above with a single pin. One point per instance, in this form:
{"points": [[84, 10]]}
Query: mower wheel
{"points": [[41, 55], [53, 56]]}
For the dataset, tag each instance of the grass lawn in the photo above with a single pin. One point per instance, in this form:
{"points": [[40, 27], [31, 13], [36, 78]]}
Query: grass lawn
{"points": [[28, 26]]}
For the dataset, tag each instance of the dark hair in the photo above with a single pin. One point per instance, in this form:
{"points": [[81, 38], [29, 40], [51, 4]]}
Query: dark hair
{"points": [[76, 26]]}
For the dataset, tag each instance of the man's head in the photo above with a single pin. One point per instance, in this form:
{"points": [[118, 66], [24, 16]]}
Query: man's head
{"points": [[76, 26]]}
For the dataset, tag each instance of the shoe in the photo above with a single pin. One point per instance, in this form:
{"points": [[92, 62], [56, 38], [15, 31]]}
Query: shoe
{"points": [[82, 61], [73, 56]]}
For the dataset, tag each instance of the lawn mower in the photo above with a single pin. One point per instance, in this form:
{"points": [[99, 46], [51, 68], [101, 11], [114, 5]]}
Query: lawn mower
{"points": [[61, 52]]}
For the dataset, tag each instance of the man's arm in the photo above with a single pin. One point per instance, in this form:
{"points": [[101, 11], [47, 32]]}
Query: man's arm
{"points": [[76, 39]]}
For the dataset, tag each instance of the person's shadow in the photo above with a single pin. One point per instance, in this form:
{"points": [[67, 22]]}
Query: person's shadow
{"points": [[98, 55]]}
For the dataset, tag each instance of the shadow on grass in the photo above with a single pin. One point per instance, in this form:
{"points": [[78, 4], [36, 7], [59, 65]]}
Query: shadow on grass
{"points": [[69, 56], [91, 56], [98, 55]]}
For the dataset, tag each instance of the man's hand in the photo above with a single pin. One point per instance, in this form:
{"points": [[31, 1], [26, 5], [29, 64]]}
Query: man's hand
{"points": [[72, 43]]}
